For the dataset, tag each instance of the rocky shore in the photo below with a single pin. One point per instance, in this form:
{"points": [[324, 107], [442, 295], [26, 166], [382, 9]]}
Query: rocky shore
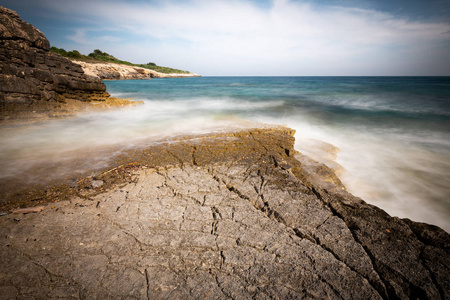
{"points": [[38, 85], [230, 215], [234, 214], [107, 71]]}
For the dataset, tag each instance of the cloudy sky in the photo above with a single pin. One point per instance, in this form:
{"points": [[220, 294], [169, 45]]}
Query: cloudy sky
{"points": [[255, 37]]}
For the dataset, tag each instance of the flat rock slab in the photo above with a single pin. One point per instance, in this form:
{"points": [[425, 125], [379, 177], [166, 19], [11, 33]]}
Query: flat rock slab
{"points": [[242, 227]]}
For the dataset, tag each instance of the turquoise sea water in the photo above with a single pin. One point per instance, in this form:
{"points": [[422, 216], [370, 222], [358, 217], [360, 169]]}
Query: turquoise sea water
{"points": [[388, 138], [393, 133]]}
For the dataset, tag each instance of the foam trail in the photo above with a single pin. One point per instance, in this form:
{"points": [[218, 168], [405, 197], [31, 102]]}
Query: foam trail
{"points": [[405, 180], [98, 137]]}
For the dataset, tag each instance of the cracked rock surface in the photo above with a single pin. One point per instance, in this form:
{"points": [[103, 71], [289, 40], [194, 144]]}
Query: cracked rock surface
{"points": [[230, 217]]}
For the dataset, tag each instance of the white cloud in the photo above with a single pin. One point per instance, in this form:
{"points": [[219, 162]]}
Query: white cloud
{"points": [[86, 37], [79, 37], [109, 39], [291, 38]]}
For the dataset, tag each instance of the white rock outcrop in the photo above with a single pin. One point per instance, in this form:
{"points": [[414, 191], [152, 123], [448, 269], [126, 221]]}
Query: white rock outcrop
{"points": [[119, 71]]}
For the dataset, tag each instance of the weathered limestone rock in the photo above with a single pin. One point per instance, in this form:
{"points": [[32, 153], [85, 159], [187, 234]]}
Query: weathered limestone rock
{"points": [[119, 71], [231, 215], [36, 84]]}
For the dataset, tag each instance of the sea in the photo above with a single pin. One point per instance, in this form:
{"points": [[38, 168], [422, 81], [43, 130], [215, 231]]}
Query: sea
{"points": [[387, 138]]}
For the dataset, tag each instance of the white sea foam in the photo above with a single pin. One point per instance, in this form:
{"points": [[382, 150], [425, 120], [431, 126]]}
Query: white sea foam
{"points": [[377, 103], [399, 176], [200, 105], [59, 141]]}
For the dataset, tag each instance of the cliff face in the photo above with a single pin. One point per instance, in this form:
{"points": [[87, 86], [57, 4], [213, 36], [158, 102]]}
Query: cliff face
{"points": [[37, 84], [118, 71], [221, 216]]}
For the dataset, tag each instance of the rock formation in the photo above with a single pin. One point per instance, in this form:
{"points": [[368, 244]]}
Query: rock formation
{"points": [[119, 71], [224, 216], [36, 84]]}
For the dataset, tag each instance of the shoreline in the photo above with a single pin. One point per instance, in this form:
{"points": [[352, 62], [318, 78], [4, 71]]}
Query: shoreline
{"points": [[196, 216], [114, 71], [168, 151]]}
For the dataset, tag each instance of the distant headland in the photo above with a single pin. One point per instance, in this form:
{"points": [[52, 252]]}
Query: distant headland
{"points": [[105, 66]]}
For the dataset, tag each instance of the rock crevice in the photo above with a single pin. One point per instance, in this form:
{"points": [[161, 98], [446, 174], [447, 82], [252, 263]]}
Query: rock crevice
{"points": [[244, 221]]}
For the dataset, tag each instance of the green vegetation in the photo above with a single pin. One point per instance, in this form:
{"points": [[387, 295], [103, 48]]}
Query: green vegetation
{"points": [[70, 54], [99, 56]]}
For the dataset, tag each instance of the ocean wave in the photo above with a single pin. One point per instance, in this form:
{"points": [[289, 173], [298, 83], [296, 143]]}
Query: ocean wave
{"points": [[243, 84], [208, 105], [376, 103]]}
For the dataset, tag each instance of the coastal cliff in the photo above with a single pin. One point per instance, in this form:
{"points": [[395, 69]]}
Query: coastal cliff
{"points": [[219, 216], [36, 84], [120, 71]]}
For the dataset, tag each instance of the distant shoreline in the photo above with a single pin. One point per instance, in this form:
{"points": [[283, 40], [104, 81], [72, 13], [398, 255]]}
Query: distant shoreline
{"points": [[114, 71]]}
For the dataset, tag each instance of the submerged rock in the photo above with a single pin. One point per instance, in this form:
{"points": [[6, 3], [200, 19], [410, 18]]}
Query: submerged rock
{"points": [[36, 84], [229, 215]]}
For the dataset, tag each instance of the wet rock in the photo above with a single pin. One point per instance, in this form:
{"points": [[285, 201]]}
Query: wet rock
{"points": [[97, 183]]}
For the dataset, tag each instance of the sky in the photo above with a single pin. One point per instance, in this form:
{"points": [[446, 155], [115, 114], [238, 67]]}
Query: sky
{"points": [[255, 37]]}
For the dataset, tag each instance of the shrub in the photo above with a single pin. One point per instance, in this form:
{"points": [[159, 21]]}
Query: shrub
{"points": [[59, 51], [75, 54], [103, 56]]}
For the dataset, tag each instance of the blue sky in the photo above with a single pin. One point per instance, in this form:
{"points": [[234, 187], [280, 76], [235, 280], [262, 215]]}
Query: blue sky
{"points": [[251, 37]]}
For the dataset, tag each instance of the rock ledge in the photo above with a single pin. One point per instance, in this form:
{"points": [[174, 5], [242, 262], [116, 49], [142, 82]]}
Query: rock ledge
{"points": [[231, 215]]}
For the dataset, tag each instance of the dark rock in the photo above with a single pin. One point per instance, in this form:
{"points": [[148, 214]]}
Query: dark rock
{"points": [[31, 76], [14, 29]]}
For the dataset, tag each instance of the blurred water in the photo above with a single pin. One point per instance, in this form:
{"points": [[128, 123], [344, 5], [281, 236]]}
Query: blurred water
{"points": [[393, 133]]}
